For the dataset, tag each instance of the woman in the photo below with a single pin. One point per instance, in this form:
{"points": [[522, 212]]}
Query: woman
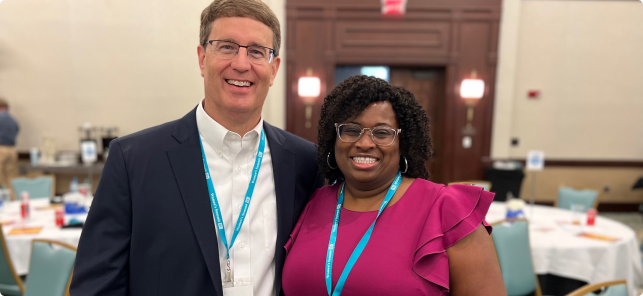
{"points": [[398, 233]]}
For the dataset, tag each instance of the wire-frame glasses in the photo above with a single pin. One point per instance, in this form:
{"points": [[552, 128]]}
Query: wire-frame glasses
{"points": [[227, 50], [381, 135]]}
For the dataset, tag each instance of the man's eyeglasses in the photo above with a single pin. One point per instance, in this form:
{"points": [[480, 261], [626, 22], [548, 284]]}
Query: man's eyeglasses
{"points": [[352, 132], [227, 50]]}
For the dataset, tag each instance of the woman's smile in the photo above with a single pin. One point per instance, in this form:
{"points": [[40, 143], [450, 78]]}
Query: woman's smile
{"points": [[364, 162]]}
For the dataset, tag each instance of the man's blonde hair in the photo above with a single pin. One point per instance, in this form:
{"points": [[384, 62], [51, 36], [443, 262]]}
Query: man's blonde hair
{"points": [[254, 9]]}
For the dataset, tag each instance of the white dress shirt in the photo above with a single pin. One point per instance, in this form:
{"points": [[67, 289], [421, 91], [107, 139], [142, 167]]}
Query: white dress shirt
{"points": [[230, 158]]}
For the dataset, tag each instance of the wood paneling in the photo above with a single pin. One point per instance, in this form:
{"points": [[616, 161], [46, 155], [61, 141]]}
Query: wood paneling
{"points": [[457, 36], [382, 38], [474, 46], [309, 46], [427, 85]]}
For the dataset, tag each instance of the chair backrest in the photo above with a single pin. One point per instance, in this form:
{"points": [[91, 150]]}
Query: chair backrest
{"points": [[613, 288], [568, 196], [511, 240], [39, 187], [486, 185], [10, 283], [50, 268]]}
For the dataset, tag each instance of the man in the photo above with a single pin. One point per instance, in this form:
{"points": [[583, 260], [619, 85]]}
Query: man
{"points": [[151, 229], [8, 154]]}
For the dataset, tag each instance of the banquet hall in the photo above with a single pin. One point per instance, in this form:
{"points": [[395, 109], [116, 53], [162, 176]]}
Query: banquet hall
{"points": [[537, 101]]}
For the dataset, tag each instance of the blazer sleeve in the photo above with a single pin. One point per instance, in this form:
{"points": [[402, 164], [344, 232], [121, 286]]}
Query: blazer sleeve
{"points": [[103, 253], [320, 181]]}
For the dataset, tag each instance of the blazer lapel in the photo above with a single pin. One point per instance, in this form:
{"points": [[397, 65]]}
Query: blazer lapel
{"points": [[187, 165], [283, 166]]}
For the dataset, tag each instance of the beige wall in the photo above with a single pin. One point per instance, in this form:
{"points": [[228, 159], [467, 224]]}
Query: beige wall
{"points": [[618, 180], [130, 64], [586, 58]]}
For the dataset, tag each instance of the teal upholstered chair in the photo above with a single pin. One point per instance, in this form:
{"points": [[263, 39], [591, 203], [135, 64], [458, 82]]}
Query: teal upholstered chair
{"points": [[511, 240], [568, 196], [39, 187], [10, 283], [50, 268], [614, 288]]}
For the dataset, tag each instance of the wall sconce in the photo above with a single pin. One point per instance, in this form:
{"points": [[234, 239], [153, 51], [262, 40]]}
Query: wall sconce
{"points": [[471, 90], [309, 88]]}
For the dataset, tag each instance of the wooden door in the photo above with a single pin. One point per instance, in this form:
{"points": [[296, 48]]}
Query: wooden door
{"points": [[427, 85]]}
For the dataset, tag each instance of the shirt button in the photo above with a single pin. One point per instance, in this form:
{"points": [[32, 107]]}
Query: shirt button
{"points": [[239, 169], [240, 206], [241, 245], [219, 152]]}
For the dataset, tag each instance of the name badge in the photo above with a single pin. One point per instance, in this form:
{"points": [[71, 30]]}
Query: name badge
{"points": [[240, 287], [238, 291]]}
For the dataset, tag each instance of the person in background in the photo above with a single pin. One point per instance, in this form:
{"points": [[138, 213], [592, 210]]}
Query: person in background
{"points": [[8, 155], [381, 228], [151, 228]]}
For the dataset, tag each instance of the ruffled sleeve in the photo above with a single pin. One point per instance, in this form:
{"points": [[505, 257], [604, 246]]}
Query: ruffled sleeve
{"points": [[457, 212]]}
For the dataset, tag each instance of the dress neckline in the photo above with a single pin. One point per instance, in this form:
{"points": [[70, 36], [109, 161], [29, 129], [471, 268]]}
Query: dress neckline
{"points": [[336, 190]]}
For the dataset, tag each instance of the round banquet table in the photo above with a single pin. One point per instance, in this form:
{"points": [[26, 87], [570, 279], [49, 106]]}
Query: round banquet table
{"points": [[42, 215], [565, 250]]}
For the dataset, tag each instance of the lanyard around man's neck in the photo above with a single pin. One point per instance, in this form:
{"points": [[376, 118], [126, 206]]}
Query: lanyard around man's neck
{"points": [[246, 202]]}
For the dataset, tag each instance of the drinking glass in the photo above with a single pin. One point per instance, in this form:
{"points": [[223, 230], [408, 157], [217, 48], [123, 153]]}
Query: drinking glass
{"points": [[577, 212]]}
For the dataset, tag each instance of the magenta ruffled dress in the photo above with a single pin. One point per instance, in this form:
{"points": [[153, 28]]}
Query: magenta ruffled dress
{"points": [[406, 254]]}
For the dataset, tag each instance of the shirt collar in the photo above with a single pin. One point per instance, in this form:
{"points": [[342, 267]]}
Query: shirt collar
{"points": [[214, 133]]}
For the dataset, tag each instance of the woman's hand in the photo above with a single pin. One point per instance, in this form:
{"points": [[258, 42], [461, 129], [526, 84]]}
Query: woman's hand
{"points": [[473, 266]]}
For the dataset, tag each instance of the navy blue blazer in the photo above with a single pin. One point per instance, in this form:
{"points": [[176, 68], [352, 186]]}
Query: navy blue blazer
{"points": [[150, 230]]}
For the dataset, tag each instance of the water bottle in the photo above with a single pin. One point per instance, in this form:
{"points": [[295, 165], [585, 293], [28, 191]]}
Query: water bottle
{"points": [[24, 205], [73, 185], [33, 156]]}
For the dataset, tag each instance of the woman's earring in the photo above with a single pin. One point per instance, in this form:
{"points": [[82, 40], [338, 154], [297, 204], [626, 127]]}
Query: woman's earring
{"points": [[406, 165], [328, 162]]}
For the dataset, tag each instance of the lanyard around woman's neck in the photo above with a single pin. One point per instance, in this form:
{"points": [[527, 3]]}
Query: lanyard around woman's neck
{"points": [[360, 246]]}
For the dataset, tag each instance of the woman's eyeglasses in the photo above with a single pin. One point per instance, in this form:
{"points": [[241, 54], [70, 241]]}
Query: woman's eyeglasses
{"points": [[352, 132]]}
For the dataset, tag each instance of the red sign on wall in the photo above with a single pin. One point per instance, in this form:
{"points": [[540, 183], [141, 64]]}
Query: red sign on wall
{"points": [[393, 7]]}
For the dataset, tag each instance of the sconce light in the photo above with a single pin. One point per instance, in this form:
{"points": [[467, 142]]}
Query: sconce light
{"points": [[309, 88], [471, 90]]}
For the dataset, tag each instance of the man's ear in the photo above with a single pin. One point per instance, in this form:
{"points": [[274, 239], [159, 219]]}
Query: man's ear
{"points": [[201, 53], [275, 67]]}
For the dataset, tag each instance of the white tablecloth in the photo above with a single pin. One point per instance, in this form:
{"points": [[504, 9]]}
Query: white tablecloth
{"points": [[557, 248], [19, 246]]}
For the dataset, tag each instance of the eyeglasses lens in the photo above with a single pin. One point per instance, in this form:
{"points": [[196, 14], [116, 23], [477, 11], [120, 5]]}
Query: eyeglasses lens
{"points": [[228, 50], [353, 132]]}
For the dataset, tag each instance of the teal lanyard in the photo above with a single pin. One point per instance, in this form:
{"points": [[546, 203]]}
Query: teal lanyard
{"points": [[360, 246], [246, 203]]}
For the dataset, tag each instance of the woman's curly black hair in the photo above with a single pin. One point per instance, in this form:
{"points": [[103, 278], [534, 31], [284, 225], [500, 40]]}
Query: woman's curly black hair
{"points": [[350, 98]]}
